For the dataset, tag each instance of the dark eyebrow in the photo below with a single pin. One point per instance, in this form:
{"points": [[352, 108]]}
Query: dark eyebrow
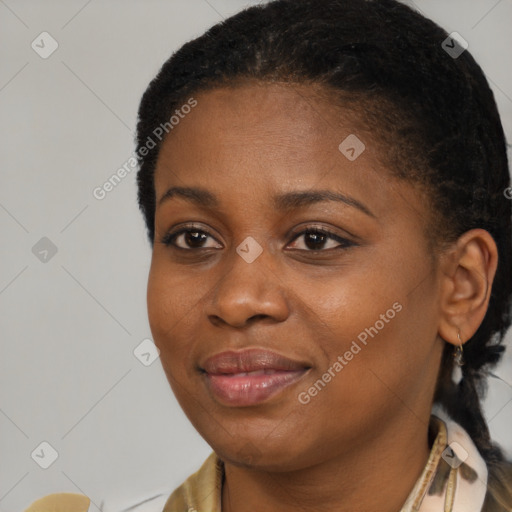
{"points": [[286, 201], [292, 200], [200, 196]]}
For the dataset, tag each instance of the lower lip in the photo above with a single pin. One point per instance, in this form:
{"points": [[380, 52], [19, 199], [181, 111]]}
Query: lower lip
{"points": [[245, 390]]}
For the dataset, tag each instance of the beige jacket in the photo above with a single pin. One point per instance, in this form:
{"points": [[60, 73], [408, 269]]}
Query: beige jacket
{"points": [[455, 479]]}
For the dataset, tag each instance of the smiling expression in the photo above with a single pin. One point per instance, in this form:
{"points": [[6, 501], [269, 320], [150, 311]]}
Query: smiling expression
{"points": [[339, 241]]}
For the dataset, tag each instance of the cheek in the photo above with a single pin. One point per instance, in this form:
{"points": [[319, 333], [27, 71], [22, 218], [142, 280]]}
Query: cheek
{"points": [[170, 306], [161, 299], [355, 300], [383, 327], [170, 314]]}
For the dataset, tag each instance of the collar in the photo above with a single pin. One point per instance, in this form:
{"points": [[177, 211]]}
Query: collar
{"points": [[454, 478]]}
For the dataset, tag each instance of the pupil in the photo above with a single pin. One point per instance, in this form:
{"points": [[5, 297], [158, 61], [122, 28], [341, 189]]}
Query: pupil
{"points": [[193, 237], [317, 238]]}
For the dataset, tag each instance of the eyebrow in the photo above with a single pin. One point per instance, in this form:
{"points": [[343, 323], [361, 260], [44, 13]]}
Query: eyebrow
{"points": [[286, 201]]}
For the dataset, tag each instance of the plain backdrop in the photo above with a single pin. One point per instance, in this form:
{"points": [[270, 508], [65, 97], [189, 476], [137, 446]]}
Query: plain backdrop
{"points": [[74, 268]]}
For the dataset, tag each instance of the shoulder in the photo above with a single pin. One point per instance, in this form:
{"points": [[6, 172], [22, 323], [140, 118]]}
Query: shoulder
{"points": [[200, 491], [61, 502], [68, 502], [201, 488], [153, 501]]}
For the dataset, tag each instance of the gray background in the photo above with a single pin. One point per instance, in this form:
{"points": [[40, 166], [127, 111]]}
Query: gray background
{"points": [[69, 325]]}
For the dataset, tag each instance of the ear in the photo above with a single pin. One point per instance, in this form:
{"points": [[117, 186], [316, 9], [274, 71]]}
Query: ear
{"points": [[467, 268]]}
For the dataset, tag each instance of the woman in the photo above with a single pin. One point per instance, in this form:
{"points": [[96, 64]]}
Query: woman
{"points": [[324, 188]]}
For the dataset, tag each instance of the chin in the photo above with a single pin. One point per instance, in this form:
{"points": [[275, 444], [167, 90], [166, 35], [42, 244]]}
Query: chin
{"points": [[263, 455]]}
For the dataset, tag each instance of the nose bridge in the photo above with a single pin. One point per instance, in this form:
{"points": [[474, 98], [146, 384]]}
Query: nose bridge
{"points": [[248, 286]]}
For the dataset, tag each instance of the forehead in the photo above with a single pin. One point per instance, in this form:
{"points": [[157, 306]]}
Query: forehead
{"points": [[272, 126], [259, 138], [252, 111]]}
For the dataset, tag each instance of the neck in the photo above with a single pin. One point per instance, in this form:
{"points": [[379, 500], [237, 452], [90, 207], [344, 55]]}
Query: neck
{"points": [[377, 476]]}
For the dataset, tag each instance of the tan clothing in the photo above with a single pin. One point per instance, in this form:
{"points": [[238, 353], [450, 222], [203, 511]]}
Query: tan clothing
{"points": [[446, 484], [454, 479]]}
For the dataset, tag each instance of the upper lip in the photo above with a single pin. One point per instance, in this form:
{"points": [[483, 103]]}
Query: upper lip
{"points": [[250, 360]]}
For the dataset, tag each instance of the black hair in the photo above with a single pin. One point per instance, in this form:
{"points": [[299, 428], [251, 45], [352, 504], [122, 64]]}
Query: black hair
{"points": [[434, 112]]}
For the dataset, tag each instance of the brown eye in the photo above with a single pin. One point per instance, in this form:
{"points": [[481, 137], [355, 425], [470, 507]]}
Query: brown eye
{"points": [[317, 239], [187, 239]]}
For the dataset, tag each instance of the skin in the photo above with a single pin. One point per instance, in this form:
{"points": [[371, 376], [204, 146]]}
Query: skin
{"points": [[244, 145]]}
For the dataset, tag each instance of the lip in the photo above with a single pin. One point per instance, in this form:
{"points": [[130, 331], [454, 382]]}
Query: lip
{"points": [[251, 376]]}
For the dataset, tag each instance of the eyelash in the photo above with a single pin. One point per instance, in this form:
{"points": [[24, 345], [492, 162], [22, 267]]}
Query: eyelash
{"points": [[169, 239]]}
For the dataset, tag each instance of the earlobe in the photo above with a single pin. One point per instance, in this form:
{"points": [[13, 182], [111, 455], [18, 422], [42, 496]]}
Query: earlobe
{"points": [[468, 269]]}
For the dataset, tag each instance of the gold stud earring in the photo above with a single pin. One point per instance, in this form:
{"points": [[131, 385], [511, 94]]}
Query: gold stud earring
{"points": [[458, 353]]}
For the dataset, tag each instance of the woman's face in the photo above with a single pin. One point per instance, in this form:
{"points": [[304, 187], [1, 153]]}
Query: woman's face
{"points": [[322, 341]]}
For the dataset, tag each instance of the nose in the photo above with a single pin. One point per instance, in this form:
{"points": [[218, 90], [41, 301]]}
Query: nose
{"points": [[248, 292]]}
